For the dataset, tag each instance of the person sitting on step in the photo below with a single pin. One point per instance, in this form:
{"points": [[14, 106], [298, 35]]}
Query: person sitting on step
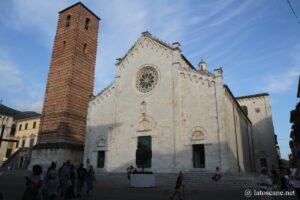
{"points": [[217, 176]]}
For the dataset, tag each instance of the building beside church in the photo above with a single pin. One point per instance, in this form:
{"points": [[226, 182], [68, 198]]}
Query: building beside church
{"points": [[187, 116], [27, 132], [266, 151], [294, 142], [5, 132], [20, 130]]}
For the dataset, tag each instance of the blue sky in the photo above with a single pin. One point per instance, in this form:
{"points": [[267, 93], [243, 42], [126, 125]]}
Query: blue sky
{"points": [[257, 43]]}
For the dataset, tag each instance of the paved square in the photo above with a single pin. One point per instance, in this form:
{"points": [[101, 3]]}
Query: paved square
{"points": [[12, 185]]}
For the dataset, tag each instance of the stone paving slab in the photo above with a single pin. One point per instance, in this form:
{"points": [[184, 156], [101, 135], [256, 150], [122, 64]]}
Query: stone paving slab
{"points": [[12, 186]]}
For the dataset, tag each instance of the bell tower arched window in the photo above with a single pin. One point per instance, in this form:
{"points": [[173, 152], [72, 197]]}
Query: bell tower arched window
{"points": [[68, 21], [87, 23]]}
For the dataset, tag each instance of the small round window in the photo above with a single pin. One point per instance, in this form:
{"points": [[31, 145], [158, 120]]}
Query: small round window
{"points": [[146, 80]]}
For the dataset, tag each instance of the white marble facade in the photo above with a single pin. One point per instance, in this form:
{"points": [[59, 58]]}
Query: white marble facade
{"points": [[158, 93]]}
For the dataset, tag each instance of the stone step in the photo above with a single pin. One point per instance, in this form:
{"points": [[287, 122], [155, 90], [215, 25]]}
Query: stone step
{"points": [[197, 179]]}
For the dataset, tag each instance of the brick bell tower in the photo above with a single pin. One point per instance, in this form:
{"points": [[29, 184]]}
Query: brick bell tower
{"points": [[69, 87]]}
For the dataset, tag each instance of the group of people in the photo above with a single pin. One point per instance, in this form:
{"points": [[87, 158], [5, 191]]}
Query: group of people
{"points": [[130, 170], [58, 184], [61, 183], [287, 179], [179, 185]]}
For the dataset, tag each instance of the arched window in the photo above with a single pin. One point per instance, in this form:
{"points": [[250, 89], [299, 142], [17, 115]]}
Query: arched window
{"points": [[31, 142], [34, 125], [85, 48], [17, 143], [245, 109], [87, 23], [23, 142], [68, 21], [64, 45]]}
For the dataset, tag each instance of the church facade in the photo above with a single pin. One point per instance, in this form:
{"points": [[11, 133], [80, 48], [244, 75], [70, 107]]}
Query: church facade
{"points": [[188, 117]]}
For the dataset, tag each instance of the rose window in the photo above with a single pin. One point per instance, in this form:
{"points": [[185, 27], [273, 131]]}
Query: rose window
{"points": [[146, 79]]}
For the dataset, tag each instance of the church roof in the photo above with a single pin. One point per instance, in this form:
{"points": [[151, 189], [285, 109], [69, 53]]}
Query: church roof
{"points": [[167, 45], [253, 95], [16, 114], [237, 103], [164, 43], [205, 72], [103, 90], [149, 35]]}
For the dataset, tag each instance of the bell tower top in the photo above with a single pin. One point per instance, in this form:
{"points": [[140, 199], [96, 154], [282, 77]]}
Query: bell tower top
{"points": [[76, 5], [79, 17]]}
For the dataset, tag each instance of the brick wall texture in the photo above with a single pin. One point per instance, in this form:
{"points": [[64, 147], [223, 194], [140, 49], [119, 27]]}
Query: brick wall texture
{"points": [[71, 78]]}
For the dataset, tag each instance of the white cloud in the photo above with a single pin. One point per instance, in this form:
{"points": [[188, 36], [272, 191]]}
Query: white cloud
{"points": [[29, 105], [228, 16], [282, 82], [34, 16], [24, 93], [10, 76], [33, 94], [207, 11]]}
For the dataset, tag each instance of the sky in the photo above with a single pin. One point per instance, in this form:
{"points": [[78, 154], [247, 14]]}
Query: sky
{"points": [[257, 43]]}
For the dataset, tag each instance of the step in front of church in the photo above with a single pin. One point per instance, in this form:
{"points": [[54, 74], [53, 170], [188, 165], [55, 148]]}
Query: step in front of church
{"points": [[191, 180]]}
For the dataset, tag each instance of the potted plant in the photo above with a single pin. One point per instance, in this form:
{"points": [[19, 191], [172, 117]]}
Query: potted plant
{"points": [[143, 159]]}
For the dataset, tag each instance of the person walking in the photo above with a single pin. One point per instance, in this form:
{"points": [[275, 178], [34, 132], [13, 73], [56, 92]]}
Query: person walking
{"points": [[296, 179], [70, 179], [61, 178], [49, 190], [67, 182], [265, 182], [274, 176], [81, 174], [284, 180], [179, 187], [129, 171], [33, 183], [73, 181], [90, 179]]}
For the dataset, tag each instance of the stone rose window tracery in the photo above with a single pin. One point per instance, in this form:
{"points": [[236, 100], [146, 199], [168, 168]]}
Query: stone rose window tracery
{"points": [[146, 79]]}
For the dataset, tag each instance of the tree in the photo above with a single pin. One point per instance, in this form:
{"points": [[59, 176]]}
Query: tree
{"points": [[143, 154]]}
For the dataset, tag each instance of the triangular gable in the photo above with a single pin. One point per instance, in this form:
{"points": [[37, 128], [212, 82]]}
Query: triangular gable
{"points": [[152, 38], [160, 43]]}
